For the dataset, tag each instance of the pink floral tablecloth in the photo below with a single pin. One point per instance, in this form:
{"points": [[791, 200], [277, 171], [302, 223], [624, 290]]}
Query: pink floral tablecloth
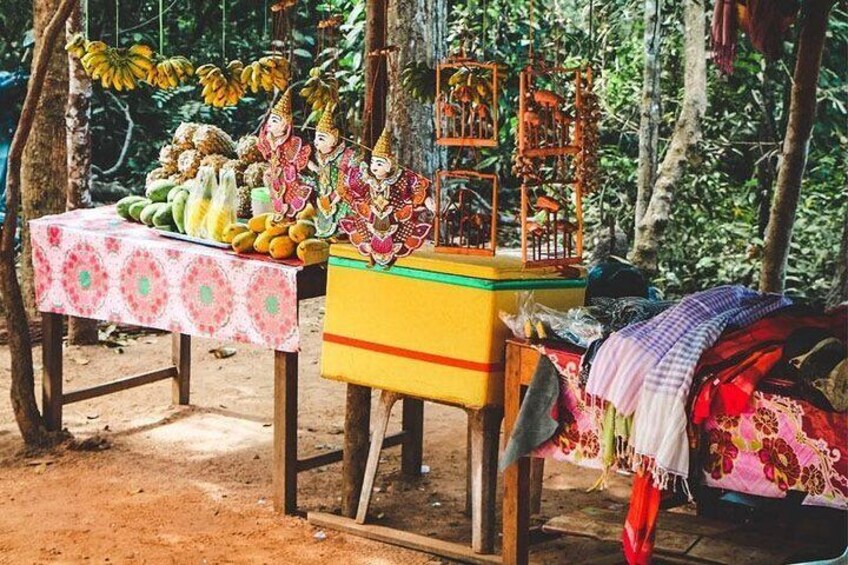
{"points": [[777, 445], [92, 264]]}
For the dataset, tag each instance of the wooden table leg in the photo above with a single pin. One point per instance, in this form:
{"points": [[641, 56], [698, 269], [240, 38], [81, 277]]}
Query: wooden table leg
{"points": [[356, 430], [285, 432], [485, 430], [181, 357], [537, 473], [516, 500], [412, 451], [51, 361], [384, 411]]}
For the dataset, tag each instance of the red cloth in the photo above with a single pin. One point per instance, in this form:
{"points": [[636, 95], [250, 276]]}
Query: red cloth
{"points": [[740, 359], [640, 527]]}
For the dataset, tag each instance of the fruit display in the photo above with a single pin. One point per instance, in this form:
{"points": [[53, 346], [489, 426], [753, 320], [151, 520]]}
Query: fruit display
{"points": [[221, 86], [222, 208], [280, 238], [211, 140], [247, 150], [254, 175], [169, 72], [268, 73], [320, 90], [184, 135], [169, 156], [160, 207], [198, 203], [215, 161], [118, 68], [189, 163]]}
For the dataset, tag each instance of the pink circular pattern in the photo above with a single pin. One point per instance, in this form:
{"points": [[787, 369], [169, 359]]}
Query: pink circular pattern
{"points": [[269, 294], [41, 264], [84, 279], [207, 294], [144, 286]]}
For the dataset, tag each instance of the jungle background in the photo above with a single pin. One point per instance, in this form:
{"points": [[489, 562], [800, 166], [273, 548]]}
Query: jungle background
{"points": [[720, 209]]}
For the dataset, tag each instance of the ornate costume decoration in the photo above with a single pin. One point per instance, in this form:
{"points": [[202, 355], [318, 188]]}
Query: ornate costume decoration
{"points": [[333, 163]]}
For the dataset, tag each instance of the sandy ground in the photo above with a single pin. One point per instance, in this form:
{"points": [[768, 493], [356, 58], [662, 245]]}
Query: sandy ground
{"points": [[193, 484]]}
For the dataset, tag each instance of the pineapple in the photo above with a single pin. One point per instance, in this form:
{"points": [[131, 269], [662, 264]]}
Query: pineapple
{"points": [[248, 150], [189, 162], [184, 134], [215, 161], [156, 174], [168, 156], [245, 203], [254, 175], [209, 140], [237, 166]]}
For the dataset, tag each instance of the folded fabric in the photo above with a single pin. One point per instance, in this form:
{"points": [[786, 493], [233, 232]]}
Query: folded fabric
{"points": [[640, 526]]}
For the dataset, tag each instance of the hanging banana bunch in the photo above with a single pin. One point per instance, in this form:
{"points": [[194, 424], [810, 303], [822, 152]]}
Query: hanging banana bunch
{"points": [[77, 45], [116, 68], [221, 87], [169, 72], [320, 90], [268, 73]]}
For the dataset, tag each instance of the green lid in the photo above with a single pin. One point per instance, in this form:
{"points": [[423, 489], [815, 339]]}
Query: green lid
{"points": [[261, 194]]}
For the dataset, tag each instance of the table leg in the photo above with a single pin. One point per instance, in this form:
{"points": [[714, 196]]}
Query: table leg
{"points": [[384, 411], [412, 451], [537, 473], [51, 361], [356, 429], [485, 429], [181, 358], [516, 500], [285, 432]]}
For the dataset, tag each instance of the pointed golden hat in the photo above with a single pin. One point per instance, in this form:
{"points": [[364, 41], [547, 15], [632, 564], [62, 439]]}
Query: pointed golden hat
{"points": [[283, 107], [327, 124], [383, 147]]}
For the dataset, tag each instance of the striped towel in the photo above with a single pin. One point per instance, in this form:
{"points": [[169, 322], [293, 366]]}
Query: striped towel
{"points": [[647, 370]]}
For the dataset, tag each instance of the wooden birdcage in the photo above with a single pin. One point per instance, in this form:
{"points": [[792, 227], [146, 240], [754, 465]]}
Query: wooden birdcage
{"points": [[466, 212], [466, 103], [551, 224]]}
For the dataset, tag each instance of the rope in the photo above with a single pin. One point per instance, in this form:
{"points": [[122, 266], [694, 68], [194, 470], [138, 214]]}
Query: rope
{"points": [[151, 20], [161, 27], [117, 23], [265, 20], [85, 16], [224, 30]]}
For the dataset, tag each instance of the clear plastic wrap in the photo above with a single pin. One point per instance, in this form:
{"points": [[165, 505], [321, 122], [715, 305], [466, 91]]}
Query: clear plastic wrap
{"points": [[223, 210], [537, 321], [199, 202]]}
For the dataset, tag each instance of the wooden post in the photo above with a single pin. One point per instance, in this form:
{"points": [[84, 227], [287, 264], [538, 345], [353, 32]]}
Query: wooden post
{"points": [[516, 500], [285, 432], [356, 429], [384, 410], [485, 428], [376, 71], [51, 360], [412, 450], [181, 357], [537, 472]]}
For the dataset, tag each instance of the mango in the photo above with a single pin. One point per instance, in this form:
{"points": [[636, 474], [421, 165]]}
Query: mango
{"points": [[243, 242], [178, 210], [137, 208], [257, 223], [282, 247], [172, 194], [123, 205], [149, 211], [307, 213], [263, 242], [164, 216], [312, 251], [301, 231], [232, 231], [157, 191], [273, 221]]}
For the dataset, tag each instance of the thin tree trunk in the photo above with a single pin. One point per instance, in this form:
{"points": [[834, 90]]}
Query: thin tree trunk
{"points": [[417, 28], [767, 137], [81, 331], [649, 121], [22, 392], [45, 172], [796, 143], [686, 136], [376, 74]]}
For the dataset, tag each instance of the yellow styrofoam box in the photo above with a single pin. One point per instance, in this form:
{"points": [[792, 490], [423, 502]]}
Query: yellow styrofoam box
{"points": [[429, 326]]}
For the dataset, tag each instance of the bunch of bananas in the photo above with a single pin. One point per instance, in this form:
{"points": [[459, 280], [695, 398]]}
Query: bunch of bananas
{"points": [[221, 87], [169, 72], [268, 73], [77, 45], [116, 67], [320, 90]]}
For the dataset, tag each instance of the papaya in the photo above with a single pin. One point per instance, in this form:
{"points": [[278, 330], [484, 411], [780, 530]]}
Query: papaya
{"points": [[277, 229], [243, 242], [172, 194], [257, 223], [158, 190], [263, 242], [123, 205], [148, 213], [232, 231], [178, 210], [312, 251], [136, 208], [301, 231], [282, 247], [164, 215], [307, 213], [275, 221]]}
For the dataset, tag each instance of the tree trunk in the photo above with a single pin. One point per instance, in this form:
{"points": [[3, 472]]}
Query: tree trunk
{"points": [[649, 121], [81, 331], [687, 134], [839, 293], [796, 142], [45, 173], [417, 28], [22, 390], [767, 136], [376, 74]]}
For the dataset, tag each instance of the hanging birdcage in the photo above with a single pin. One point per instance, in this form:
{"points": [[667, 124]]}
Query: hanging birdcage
{"points": [[466, 103], [551, 224], [466, 212]]}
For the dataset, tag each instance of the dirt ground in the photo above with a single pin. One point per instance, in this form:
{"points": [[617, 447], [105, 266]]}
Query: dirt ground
{"points": [[193, 484]]}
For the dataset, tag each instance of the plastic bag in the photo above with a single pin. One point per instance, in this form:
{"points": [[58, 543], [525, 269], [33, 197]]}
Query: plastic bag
{"points": [[537, 321], [223, 210], [199, 202]]}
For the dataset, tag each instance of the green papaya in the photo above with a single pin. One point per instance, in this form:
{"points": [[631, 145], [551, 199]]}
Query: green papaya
{"points": [[149, 211], [123, 205], [164, 216], [135, 209], [158, 190], [175, 191], [178, 210]]}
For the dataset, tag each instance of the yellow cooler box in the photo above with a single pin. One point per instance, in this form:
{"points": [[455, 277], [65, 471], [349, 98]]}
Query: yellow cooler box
{"points": [[428, 326]]}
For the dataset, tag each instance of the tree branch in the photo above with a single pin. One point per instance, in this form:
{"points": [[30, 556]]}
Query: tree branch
{"points": [[125, 108]]}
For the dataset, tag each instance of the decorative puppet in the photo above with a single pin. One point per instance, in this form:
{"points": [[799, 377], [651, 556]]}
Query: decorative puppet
{"points": [[333, 163], [288, 156], [387, 207]]}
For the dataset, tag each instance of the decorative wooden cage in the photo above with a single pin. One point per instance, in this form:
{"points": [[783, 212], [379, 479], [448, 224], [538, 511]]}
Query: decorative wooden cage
{"points": [[466, 103], [551, 224], [466, 212]]}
